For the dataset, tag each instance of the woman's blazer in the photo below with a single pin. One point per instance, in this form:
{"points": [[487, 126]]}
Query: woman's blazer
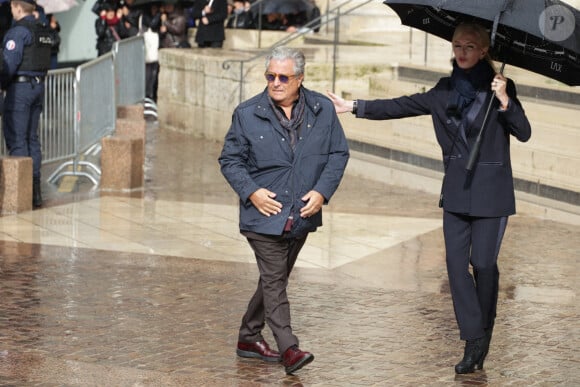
{"points": [[487, 190]]}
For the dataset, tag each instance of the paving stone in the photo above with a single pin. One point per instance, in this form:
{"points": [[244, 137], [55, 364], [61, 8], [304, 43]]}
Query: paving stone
{"points": [[74, 316]]}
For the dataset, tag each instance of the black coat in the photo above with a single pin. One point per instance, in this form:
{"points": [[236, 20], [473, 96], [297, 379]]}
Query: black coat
{"points": [[215, 30], [105, 35], [487, 191]]}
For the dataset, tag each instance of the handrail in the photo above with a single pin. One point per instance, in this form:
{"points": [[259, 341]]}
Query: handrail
{"points": [[299, 33]]}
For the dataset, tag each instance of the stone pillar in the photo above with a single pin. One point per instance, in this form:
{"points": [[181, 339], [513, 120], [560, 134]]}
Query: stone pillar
{"points": [[129, 127], [15, 185], [130, 121], [133, 112], [122, 160]]}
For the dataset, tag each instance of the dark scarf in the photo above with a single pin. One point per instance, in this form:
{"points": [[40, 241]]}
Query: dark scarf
{"points": [[466, 84], [293, 124]]}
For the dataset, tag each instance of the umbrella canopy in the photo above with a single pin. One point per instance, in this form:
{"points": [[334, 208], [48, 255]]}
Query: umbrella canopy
{"points": [[542, 36], [286, 6], [56, 6]]}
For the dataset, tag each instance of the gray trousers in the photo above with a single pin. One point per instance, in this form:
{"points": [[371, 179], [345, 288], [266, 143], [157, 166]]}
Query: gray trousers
{"points": [[275, 256]]}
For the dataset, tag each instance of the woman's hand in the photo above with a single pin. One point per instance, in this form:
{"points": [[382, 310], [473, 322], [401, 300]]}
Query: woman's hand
{"points": [[340, 105], [499, 86]]}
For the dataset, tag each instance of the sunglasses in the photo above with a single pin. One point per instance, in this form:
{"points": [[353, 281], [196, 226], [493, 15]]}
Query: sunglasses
{"points": [[271, 77]]}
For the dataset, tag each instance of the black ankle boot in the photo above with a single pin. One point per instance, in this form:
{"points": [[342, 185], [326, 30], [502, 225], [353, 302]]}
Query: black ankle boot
{"points": [[473, 356], [487, 341], [36, 194]]}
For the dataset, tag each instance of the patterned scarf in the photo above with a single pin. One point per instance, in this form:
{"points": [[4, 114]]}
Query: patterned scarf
{"points": [[293, 124]]}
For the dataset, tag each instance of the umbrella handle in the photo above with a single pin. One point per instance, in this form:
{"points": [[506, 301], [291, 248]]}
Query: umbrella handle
{"points": [[475, 150]]}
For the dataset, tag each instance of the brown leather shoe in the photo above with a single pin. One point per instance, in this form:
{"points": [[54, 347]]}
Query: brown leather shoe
{"points": [[294, 359], [259, 350]]}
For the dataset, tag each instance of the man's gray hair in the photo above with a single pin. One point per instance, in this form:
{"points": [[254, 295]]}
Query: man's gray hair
{"points": [[283, 53]]}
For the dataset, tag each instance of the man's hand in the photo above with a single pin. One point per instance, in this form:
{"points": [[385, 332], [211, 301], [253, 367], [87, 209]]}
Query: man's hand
{"points": [[264, 201], [314, 202]]}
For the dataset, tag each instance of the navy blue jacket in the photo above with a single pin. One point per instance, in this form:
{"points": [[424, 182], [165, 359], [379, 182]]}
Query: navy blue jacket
{"points": [[12, 54], [257, 154], [488, 190]]}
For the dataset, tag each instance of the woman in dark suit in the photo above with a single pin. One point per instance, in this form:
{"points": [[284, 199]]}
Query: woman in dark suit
{"points": [[476, 203]]}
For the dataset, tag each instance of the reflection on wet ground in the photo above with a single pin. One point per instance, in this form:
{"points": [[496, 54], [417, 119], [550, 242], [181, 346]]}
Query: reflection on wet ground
{"points": [[149, 288]]}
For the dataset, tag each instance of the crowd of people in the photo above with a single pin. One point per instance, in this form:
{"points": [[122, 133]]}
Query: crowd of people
{"points": [[171, 19], [119, 19], [241, 14]]}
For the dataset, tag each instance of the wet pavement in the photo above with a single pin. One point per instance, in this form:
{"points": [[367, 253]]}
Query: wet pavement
{"points": [[148, 289]]}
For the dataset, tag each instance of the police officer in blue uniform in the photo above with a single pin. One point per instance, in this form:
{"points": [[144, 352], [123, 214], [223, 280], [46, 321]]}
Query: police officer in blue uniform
{"points": [[25, 62]]}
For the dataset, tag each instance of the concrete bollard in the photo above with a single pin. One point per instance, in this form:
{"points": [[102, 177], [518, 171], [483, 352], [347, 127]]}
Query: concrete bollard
{"points": [[129, 127], [15, 185], [131, 112], [122, 161]]}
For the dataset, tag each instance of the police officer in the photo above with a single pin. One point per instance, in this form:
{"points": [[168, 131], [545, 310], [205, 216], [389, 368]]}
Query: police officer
{"points": [[25, 61]]}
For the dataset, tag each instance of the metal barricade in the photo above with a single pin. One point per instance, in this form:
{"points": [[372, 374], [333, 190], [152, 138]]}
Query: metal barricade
{"points": [[96, 114], [113, 79], [129, 55], [80, 108], [57, 122]]}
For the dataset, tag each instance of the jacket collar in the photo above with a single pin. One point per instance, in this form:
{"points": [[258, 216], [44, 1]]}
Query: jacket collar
{"points": [[263, 107]]}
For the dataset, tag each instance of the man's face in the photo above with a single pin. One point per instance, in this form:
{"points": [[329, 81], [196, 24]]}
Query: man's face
{"points": [[283, 93]]}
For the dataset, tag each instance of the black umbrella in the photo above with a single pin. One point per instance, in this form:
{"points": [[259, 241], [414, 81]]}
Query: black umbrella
{"points": [[542, 36], [286, 6]]}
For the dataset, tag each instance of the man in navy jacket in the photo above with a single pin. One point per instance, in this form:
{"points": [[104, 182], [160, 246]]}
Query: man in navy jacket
{"points": [[284, 155]]}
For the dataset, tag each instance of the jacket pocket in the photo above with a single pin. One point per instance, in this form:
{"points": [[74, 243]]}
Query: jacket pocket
{"points": [[492, 163]]}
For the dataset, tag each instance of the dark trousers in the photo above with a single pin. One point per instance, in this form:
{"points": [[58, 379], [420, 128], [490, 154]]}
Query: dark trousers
{"points": [[275, 257], [151, 80], [475, 241], [211, 44], [22, 108]]}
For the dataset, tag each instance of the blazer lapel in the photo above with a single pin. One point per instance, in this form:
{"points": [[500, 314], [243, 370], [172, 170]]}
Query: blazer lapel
{"points": [[466, 123], [472, 114]]}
